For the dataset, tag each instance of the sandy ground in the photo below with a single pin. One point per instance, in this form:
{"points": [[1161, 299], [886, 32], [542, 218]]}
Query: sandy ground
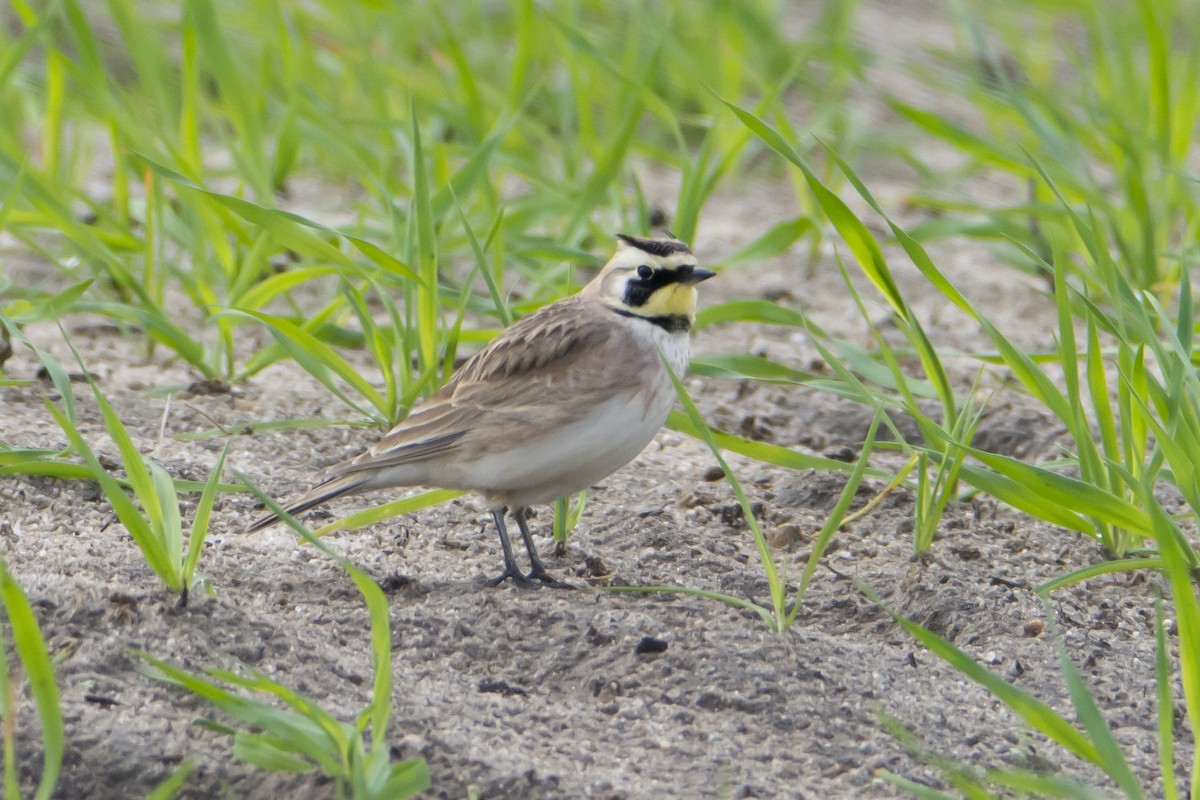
{"points": [[547, 694]]}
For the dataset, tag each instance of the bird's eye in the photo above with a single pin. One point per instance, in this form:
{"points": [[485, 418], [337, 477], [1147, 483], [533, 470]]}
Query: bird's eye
{"points": [[645, 272]]}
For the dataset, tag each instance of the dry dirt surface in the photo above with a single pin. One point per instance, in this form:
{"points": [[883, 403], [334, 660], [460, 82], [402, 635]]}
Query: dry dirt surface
{"points": [[512, 693]]}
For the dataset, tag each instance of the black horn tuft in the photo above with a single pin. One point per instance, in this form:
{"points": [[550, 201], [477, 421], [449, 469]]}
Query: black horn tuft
{"points": [[655, 247]]}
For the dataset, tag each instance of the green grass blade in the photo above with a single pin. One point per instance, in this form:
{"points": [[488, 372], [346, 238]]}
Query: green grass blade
{"points": [[767, 614], [406, 779], [427, 251], [867, 252], [266, 290], [1096, 570], [16, 51], [53, 307], [59, 377], [380, 345], [39, 672], [395, 508], [698, 179], [762, 451], [147, 540], [833, 522], [1166, 708], [199, 530], [961, 777], [778, 238], [65, 470], [779, 618], [269, 753], [592, 193], [171, 533], [381, 650], [957, 135], [749, 311], [481, 262], [1171, 546], [1017, 494], [136, 469], [1033, 784], [11, 456], [915, 789], [473, 170], [381, 644], [301, 733], [319, 359], [159, 326], [1070, 493], [1111, 759], [239, 102], [169, 788], [150, 57], [736, 366], [640, 88], [290, 230], [860, 241], [1037, 714]]}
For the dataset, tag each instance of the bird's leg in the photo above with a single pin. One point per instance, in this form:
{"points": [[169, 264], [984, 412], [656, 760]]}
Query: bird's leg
{"points": [[538, 572], [511, 568]]}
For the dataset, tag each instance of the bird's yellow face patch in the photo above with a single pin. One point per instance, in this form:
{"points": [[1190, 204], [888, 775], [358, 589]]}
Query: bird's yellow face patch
{"points": [[663, 287], [653, 279], [670, 300]]}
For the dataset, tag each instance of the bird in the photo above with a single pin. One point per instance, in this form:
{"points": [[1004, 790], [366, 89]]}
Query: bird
{"points": [[555, 403]]}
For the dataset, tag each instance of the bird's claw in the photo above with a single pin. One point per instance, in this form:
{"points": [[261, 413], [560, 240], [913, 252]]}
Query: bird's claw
{"points": [[546, 579], [512, 575], [534, 580]]}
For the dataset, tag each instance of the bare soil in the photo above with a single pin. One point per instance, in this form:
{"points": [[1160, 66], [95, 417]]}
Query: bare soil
{"points": [[512, 693]]}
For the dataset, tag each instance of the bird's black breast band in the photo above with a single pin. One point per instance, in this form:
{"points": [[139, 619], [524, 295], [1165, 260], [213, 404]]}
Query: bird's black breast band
{"points": [[671, 323]]}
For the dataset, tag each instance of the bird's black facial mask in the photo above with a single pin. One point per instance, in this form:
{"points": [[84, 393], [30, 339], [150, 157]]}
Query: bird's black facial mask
{"points": [[639, 290]]}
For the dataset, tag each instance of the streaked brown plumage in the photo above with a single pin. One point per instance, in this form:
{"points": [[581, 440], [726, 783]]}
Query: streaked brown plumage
{"points": [[556, 402]]}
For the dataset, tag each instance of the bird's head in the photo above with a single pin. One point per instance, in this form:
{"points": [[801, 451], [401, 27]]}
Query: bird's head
{"points": [[651, 278]]}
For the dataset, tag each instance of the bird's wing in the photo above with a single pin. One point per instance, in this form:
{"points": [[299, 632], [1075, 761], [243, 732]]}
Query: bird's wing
{"points": [[544, 371]]}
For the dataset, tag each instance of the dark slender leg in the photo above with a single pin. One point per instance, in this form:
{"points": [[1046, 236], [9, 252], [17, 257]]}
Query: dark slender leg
{"points": [[512, 570], [538, 572]]}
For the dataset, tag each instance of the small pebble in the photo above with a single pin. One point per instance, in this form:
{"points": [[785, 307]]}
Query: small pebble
{"points": [[714, 473], [1033, 628], [784, 535]]}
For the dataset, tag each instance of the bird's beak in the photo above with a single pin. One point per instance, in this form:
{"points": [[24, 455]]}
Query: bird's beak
{"points": [[697, 276]]}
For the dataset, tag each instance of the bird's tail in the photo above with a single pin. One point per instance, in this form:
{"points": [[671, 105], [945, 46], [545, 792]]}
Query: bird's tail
{"points": [[334, 487]]}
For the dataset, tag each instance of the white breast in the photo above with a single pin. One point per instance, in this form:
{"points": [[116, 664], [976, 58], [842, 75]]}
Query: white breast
{"points": [[575, 456]]}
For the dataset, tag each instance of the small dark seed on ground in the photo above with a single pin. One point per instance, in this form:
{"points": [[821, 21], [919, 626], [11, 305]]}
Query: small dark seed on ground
{"points": [[500, 687], [649, 644], [101, 700], [206, 388], [842, 453], [43, 374]]}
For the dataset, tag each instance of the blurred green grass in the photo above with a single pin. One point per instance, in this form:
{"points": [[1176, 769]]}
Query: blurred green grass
{"points": [[158, 153]]}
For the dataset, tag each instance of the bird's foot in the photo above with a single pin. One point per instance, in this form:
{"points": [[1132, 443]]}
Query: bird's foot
{"points": [[534, 580], [546, 579], [516, 577]]}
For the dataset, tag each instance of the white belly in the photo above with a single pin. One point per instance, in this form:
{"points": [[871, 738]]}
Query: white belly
{"points": [[574, 456]]}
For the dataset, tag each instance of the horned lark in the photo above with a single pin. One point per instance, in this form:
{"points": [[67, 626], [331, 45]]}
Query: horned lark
{"points": [[558, 401]]}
